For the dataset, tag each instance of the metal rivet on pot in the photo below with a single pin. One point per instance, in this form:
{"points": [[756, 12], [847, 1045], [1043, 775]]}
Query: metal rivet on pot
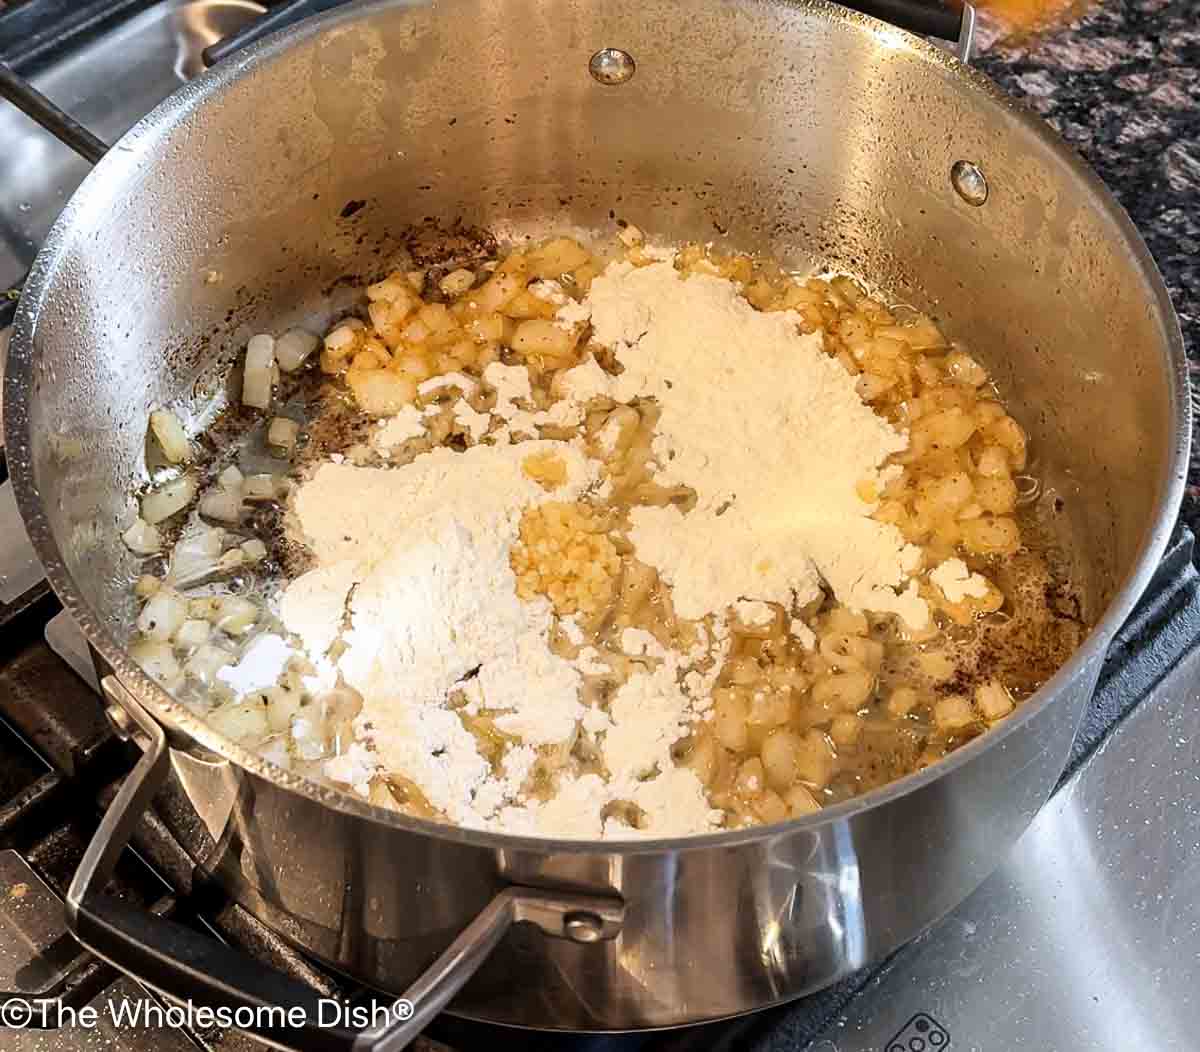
{"points": [[581, 926], [612, 66], [969, 182], [120, 720]]}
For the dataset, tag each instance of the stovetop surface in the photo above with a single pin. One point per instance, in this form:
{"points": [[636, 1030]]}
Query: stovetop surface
{"points": [[1088, 938], [124, 60]]}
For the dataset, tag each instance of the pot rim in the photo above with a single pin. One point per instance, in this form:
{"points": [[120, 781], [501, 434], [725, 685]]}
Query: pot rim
{"points": [[138, 146]]}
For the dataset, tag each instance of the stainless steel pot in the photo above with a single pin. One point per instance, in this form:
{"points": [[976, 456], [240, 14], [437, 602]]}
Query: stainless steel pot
{"points": [[796, 127]]}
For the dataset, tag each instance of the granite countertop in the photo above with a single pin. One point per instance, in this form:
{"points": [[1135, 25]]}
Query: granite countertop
{"points": [[1122, 86]]}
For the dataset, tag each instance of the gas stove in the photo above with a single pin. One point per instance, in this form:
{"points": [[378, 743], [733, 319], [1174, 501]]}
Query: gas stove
{"points": [[1087, 938]]}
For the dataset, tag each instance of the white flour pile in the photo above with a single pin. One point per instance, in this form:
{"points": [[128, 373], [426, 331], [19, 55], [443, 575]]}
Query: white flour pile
{"points": [[957, 582], [413, 572], [770, 433], [418, 559]]}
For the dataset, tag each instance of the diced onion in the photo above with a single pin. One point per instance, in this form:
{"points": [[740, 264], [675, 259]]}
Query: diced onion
{"points": [[224, 505], [456, 282], [245, 720], [381, 392], [538, 336], [255, 550], [171, 437], [208, 607], [390, 290], [283, 433], [497, 291], [282, 705], [259, 371], [276, 751], [260, 488], [235, 615], [170, 498], [146, 586], [293, 347], [310, 735], [206, 662], [341, 338], [193, 633], [231, 477], [202, 541], [141, 538], [162, 615], [196, 554], [157, 661], [993, 701], [231, 560]]}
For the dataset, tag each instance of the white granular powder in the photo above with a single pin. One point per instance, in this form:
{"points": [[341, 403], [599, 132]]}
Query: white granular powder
{"points": [[260, 667], [419, 558], [572, 630], [673, 804], [513, 393], [803, 633], [466, 384], [476, 424], [770, 433], [398, 429], [314, 605], [511, 384], [754, 612], [957, 582], [649, 714], [550, 291], [654, 708], [355, 767]]}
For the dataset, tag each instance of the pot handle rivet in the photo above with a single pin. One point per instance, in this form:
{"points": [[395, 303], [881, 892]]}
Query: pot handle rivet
{"points": [[120, 722], [582, 926], [969, 182], [116, 711], [612, 66]]}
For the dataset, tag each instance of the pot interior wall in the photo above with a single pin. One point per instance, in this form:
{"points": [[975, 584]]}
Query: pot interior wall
{"points": [[255, 198]]}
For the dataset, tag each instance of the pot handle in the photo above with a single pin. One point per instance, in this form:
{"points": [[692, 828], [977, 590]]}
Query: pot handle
{"points": [[934, 18], [204, 973], [56, 121], [944, 19], [280, 17], [931, 19]]}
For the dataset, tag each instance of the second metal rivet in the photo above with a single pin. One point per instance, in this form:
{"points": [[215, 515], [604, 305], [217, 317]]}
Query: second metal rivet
{"points": [[969, 182], [120, 721], [612, 66], [583, 927]]}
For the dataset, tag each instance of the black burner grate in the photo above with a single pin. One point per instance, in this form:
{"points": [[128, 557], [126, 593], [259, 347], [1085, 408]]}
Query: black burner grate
{"points": [[33, 33]]}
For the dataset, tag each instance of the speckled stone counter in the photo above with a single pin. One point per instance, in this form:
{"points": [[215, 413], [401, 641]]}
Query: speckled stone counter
{"points": [[1122, 86]]}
